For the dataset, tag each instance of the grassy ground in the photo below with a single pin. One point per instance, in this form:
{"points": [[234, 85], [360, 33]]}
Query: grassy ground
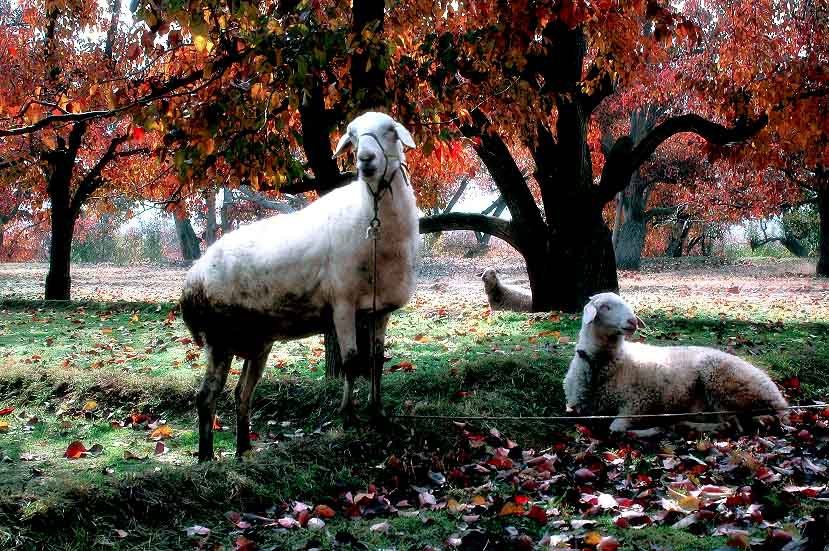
{"points": [[120, 377]]}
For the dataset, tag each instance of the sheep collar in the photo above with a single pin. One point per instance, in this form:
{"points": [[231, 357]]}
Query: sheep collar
{"points": [[595, 363]]}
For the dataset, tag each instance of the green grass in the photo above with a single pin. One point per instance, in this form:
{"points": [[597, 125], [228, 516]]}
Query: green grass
{"points": [[137, 358]]}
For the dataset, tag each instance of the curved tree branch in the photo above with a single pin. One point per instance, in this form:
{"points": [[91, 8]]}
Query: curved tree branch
{"points": [[497, 227], [501, 166], [624, 158]]}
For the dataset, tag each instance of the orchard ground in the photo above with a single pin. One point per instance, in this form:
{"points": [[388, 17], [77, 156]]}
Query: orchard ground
{"points": [[115, 371]]}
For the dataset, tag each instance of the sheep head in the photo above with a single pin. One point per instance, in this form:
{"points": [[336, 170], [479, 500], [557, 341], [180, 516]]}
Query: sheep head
{"points": [[379, 141], [490, 278], [609, 315]]}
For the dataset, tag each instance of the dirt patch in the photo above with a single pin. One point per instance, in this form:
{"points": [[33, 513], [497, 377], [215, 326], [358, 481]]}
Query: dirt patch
{"points": [[784, 288]]}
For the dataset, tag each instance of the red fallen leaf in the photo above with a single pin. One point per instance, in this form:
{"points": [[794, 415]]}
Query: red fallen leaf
{"points": [[804, 435], [253, 436], [538, 514], [75, 450], [302, 517], [6, 411], [521, 500], [233, 371], [244, 544], [792, 383], [500, 463], [137, 133], [217, 424], [324, 511], [138, 418], [608, 543]]}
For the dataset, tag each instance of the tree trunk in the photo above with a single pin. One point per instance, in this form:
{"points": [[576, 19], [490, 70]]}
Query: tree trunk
{"points": [[227, 203], [188, 239], [679, 233], [211, 226], [58, 280], [578, 261], [823, 214], [630, 240]]}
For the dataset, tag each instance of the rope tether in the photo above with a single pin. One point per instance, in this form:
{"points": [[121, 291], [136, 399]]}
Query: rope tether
{"points": [[604, 417]]}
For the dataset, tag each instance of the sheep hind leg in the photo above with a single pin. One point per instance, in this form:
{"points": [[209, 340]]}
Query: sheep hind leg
{"points": [[250, 377], [375, 405], [218, 365]]}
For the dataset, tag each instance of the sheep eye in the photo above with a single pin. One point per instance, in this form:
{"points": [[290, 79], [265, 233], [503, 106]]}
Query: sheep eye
{"points": [[604, 308]]}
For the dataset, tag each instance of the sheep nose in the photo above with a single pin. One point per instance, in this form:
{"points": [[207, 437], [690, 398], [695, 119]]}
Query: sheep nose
{"points": [[632, 323], [366, 156]]}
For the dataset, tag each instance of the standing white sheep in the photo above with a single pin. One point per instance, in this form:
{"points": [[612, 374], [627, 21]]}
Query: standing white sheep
{"points": [[505, 297], [609, 375], [289, 276]]}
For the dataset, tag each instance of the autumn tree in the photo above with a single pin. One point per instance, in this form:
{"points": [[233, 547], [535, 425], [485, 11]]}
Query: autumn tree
{"points": [[535, 72], [62, 132]]}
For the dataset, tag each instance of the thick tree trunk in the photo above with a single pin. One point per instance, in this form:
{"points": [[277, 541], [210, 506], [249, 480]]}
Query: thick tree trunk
{"points": [[188, 239], [578, 261], [630, 240], [823, 247], [58, 280]]}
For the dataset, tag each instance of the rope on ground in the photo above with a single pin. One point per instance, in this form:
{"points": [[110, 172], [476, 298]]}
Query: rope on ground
{"points": [[766, 411]]}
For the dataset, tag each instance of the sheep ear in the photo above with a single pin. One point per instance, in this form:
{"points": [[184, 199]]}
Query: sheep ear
{"points": [[639, 323], [404, 135], [344, 142], [480, 274], [589, 315]]}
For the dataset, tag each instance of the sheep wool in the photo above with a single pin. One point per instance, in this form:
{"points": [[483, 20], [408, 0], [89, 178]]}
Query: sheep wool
{"points": [[292, 275], [505, 297], [609, 375]]}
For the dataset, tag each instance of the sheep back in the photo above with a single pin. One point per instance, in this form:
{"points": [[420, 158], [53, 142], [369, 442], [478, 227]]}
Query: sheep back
{"points": [[641, 378], [278, 278]]}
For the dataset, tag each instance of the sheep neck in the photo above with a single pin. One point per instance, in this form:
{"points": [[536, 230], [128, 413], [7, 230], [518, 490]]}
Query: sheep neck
{"points": [[597, 345]]}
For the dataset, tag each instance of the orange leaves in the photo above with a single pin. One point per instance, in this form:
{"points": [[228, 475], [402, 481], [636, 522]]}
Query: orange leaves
{"points": [[161, 433]]}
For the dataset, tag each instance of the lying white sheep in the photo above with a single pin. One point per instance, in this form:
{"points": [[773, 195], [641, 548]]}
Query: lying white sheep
{"points": [[288, 276], [609, 375], [505, 297]]}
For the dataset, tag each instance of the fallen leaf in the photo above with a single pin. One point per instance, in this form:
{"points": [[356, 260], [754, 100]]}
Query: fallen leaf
{"points": [[244, 544], [90, 405], [164, 431], [511, 508], [4, 426], [75, 450], [324, 511], [6, 411], [197, 531]]}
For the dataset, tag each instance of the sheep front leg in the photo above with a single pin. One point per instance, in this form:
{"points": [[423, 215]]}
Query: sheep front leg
{"points": [[345, 324], [250, 377], [376, 368], [218, 365]]}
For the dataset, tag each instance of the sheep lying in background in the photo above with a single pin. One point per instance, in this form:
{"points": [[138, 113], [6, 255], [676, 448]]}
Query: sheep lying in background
{"points": [[609, 375], [505, 297], [289, 276]]}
